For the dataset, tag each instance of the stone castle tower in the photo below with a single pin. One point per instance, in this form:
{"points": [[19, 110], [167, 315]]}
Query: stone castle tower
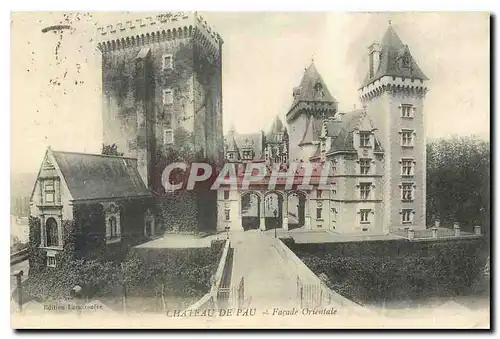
{"points": [[393, 94], [312, 103], [162, 87]]}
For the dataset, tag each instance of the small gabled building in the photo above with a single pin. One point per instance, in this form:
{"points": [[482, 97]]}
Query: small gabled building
{"points": [[100, 199]]}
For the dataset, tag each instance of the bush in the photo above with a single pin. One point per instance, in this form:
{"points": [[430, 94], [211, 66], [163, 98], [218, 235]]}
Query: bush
{"points": [[185, 272], [431, 269], [178, 272]]}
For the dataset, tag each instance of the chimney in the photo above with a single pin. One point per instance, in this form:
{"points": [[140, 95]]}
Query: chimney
{"points": [[374, 55], [456, 228], [477, 230]]}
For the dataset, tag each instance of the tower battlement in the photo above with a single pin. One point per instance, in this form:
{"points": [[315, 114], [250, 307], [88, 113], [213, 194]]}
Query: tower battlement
{"points": [[394, 85], [168, 26]]}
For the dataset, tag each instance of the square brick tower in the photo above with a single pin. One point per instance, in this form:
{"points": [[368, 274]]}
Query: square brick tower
{"points": [[393, 93], [162, 87]]}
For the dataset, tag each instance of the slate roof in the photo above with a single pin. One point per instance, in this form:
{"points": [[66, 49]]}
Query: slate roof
{"points": [[307, 88], [95, 176], [392, 51], [341, 132], [312, 132], [240, 140], [276, 128], [231, 144]]}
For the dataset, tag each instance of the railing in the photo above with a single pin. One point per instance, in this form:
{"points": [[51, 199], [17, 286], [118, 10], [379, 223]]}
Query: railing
{"points": [[311, 291], [220, 269], [241, 292], [19, 256], [214, 293]]}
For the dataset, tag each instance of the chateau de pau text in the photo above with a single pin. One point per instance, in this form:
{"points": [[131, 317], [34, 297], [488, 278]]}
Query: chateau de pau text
{"points": [[250, 312]]}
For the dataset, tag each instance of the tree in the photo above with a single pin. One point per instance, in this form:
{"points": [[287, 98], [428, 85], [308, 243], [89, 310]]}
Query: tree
{"points": [[111, 150], [458, 182]]}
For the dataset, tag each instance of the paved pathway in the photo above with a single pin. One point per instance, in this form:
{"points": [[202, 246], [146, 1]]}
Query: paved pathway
{"points": [[270, 277]]}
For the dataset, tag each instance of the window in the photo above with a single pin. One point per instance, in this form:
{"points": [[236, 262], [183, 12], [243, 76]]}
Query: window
{"points": [[406, 216], [334, 214], [169, 137], [168, 61], [364, 190], [49, 191], [407, 167], [51, 233], [364, 166], [364, 139], [226, 195], [319, 194], [407, 138], [230, 155], [279, 137], [51, 260], [113, 231], [364, 216], [405, 61], [334, 166], [407, 191], [227, 215], [407, 111], [113, 228], [334, 188], [247, 154], [319, 212], [168, 96]]}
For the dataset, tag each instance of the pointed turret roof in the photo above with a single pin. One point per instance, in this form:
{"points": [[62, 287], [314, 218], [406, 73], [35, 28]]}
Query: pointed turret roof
{"points": [[395, 59], [312, 87], [276, 128]]}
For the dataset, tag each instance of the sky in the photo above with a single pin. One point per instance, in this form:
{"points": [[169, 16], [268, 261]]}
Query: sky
{"points": [[56, 89]]}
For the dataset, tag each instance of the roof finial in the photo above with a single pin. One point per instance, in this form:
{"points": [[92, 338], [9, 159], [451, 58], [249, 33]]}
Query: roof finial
{"points": [[390, 22], [312, 58]]}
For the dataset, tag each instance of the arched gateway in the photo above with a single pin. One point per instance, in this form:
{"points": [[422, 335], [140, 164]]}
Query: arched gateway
{"points": [[266, 210]]}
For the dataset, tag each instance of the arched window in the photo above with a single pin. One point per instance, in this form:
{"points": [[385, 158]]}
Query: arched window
{"points": [[51, 232], [113, 228]]}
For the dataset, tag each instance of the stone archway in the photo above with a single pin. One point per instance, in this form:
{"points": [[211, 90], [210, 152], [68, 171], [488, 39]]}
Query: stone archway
{"points": [[273, 209], [296, 212], [250, 210]]}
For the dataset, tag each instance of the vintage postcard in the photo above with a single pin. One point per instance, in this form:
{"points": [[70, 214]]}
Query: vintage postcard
{"points": [[250, 170]]}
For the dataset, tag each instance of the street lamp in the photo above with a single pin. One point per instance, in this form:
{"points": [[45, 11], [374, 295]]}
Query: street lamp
{"points": [[18, 274], [75, 293], [275, 225]]}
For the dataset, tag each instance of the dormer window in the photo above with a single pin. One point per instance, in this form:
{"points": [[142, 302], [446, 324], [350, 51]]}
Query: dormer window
{"points": [[247, 155], [318, 88], [364, 139], [405, 61]]}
